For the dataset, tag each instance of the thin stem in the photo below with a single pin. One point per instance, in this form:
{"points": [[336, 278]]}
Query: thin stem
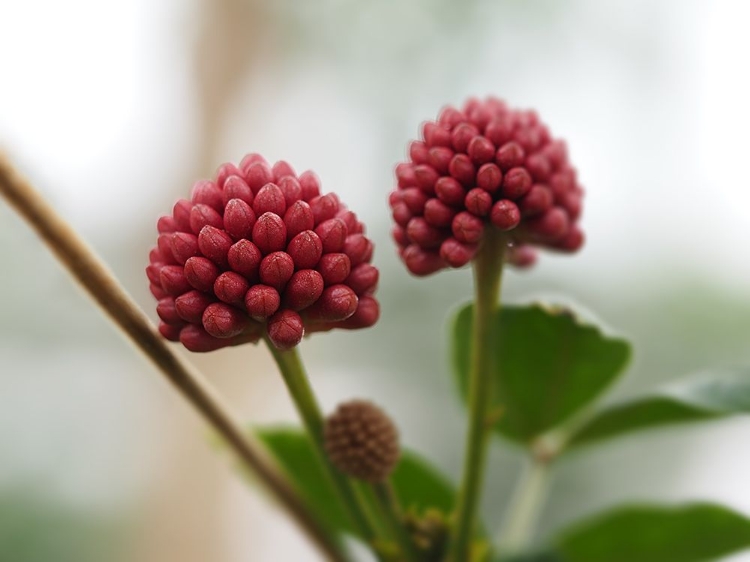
{"points": [[525, 508], [488, 266], [295, 377], [83, 264], [392, 515]]}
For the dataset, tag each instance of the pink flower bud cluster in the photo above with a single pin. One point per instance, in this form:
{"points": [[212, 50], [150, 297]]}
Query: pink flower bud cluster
{"points": [[258, 250], [484, 166]]}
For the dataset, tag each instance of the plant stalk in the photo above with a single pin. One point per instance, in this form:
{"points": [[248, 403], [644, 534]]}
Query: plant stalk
{"points": [[298, 385], [91, 272], [392, 515], [525, 507], [488, 266]]}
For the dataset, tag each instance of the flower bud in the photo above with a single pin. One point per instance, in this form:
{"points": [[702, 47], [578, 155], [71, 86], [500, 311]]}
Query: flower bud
{"points": [[223, 321], [276, 269], [262, 301], [214, 244], [201, 273], [298, 217], [361, 441], [231, 287], [236, 188], [244, 258], [239, 219], [303, 289], [305, 249], [191, 305], [285, 329], [334, 268], [269, 233], [202, 215]]}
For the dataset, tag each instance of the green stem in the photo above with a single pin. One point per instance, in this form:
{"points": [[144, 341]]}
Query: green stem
{"points": [[295, 377], [488, 266], [390, 511], [525, 508]]}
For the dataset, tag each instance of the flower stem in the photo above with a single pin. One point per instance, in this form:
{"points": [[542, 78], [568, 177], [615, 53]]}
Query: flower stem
{"points": [[488, 265], [86, 267], [295, 377], [525, 507], [391, 513]]}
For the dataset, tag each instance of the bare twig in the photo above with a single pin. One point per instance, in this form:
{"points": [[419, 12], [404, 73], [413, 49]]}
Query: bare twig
{"points": [[95, 277]]}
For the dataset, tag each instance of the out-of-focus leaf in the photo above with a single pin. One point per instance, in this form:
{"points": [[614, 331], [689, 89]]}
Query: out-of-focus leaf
{"points": [[547, 365], [692, 533], [707, 396], [417, 485]]}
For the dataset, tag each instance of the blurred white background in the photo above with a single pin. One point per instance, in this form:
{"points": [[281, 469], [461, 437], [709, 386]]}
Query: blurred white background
{"points": [[113, 109]]}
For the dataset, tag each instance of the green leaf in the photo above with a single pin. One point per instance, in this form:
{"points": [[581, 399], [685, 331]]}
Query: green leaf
{"points": [[692, 533], [417, 485], [547, 365], [704, 397]]}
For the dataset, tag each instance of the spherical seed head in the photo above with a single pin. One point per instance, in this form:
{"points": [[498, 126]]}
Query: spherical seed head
{"points": [[259, 251], [483, 166], [362, 441]]}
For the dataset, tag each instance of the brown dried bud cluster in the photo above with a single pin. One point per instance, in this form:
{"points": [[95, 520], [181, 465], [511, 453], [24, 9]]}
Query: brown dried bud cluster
{"points": [[362, 441]]}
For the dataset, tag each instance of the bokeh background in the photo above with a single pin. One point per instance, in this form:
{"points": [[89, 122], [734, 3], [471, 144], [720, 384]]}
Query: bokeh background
{"points": [[113, 109]]}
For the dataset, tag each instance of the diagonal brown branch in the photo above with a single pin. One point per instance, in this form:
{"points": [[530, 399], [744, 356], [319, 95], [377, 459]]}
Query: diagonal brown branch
{"points": [[95, 277]]}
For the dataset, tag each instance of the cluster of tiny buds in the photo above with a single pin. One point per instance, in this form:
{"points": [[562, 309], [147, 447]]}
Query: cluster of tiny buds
{"points": [[484, 166], [258, 251], [362, 441]]}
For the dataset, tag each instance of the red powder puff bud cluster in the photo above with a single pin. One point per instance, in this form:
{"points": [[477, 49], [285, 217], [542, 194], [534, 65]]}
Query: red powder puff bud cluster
{"points": [[259, 251], [484, 166]]}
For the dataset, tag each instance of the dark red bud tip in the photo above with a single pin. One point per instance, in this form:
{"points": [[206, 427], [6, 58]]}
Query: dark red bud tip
{"points": [[181, 213], [401, 214], [166, 225], [184, 246], [270, 199], [405, 175], [310, 185], [478, 202], [167, 312], [250, 159], [538, 200], [457, 254], [522, 256], [202, 215], [489, 178], [225, 171], [438, 214], [436, 135], [366, 315], [324, 207], [298, 217], [171, 332], [231, 287], [276, 269], [244, 258], [239, 219], [207, 193], [573, 241], [419, 152], [172, 280], [191, 305], [336, 303], [353, 226], [269, 233], [292, 190], [262, 301], [257, 175], [467, 228], [551, 226], [414, 199], [334, 268], [499, 131], [439, 157], [538, 166], [421, 262], [463, 170], [462, 136], [516, 183], [481, 150], [164, 245], [236, 188], [363, 279], [449, 191], [358, 248], [332, 234], [285, 329], [303, 289], [201, 273], [505, 214], [426, 177], [157, 291], [214, 244], [422, 233], [450, 116], [398, 233], [509, 156], [196, 339], [223, 321], [305, 249], [282, 169]]}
